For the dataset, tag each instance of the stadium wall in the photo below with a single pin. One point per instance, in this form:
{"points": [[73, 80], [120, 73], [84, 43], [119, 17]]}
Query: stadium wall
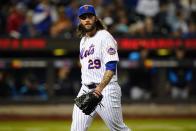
{"points": [[64, 111]]}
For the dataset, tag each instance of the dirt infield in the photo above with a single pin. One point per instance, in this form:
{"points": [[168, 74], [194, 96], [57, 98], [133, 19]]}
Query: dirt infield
{"points": [[58, 112]]}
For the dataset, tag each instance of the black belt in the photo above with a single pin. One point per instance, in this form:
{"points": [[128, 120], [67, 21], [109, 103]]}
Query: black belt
{"points": [[92, 86]]}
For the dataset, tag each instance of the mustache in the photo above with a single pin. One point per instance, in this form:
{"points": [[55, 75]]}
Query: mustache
{"points": [[88, 24], [88, 30]]}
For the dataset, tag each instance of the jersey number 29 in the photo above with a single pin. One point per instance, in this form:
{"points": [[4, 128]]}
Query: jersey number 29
{"points": [[94, 64]]}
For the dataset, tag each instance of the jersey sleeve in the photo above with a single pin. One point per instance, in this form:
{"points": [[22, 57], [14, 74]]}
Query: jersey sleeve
{"points": [[109, 50]]}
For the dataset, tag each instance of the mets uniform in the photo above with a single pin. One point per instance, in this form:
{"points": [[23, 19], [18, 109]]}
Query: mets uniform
{"points": [[95, 52]]}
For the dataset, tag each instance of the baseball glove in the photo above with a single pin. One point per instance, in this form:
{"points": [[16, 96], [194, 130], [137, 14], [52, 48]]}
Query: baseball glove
{"points": [[88, 102]]}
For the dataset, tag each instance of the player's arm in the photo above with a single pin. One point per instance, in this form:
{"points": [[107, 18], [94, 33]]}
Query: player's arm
{"points": [[110, 71]]}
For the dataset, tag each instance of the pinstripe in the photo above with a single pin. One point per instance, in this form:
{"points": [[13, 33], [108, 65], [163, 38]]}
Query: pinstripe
{"points": [[100, 52], [111, 113], [80, 121]]}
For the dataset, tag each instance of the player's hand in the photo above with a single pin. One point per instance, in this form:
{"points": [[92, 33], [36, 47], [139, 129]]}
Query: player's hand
{"points": [[88, 102], [97, 91]]}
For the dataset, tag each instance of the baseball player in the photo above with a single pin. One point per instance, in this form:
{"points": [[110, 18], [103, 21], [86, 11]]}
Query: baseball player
{"points": [[98, 58]]}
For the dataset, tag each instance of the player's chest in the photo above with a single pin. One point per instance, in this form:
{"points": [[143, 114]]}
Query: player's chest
{"points": [[90, 50]]}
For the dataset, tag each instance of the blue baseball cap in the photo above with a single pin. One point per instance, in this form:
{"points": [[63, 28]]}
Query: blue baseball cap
{"points": [[85, 9]]}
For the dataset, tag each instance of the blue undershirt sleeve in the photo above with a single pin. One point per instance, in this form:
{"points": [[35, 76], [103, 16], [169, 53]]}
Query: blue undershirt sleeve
{"points": [[111, 65]]}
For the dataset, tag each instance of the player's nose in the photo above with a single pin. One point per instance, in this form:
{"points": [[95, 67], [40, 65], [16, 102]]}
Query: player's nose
{"points": [[87, 20], [87, 23]]}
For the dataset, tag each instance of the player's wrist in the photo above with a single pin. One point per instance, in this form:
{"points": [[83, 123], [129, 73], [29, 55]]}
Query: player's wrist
{"points": [[98, 90]]}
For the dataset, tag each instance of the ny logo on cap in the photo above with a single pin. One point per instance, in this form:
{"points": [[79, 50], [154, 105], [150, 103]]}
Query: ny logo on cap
{"points": [[86, 7]]}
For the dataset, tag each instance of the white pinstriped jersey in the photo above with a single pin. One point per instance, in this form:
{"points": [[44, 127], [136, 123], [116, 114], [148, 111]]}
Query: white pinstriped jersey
{"points": [[95, 52]]}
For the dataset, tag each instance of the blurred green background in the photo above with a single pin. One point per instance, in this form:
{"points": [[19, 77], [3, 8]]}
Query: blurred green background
{"points": [[98, 125]]}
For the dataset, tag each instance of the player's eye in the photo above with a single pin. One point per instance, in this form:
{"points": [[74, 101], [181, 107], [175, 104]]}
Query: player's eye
{"points": [[85, 16]]}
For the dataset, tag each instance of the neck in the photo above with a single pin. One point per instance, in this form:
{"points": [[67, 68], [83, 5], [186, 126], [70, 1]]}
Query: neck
{"points": [[91, 33]]}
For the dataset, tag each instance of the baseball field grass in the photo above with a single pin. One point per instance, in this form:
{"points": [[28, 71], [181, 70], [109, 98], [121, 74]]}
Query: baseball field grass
{"points": [[98, 125]]}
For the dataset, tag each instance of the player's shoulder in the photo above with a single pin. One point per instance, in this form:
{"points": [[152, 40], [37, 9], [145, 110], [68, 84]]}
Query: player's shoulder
{"points": [[82, 39], [103, 34]]}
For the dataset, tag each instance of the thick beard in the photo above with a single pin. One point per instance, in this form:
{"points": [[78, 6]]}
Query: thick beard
{"points": [[90, 29]]}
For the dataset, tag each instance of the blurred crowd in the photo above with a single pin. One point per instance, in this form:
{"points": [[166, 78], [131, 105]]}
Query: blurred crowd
{"points": [[139, 80], [58, 18], [60, 79], [19, 84], [144, 81], [135, 18]]}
